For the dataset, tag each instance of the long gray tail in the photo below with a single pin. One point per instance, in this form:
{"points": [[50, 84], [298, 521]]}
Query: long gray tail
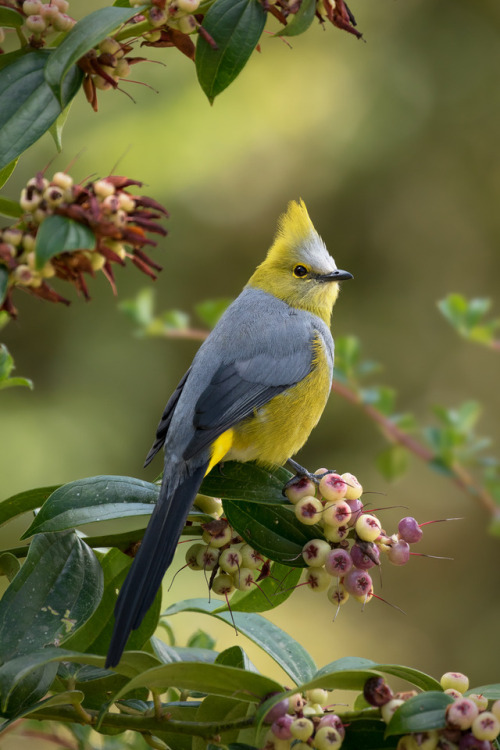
{"points": [[152, 560]]}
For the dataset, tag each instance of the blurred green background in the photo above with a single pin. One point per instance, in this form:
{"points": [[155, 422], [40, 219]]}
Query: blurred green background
{"points": [[393, 144]]}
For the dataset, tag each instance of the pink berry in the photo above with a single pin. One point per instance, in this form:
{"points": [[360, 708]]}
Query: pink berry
{"points": [[303, 487], [399, 553], [308, 510], [280, 709], [332, 720], [337, 513], [461, 713], [358, 582], [356, 507], [365, 557], [409, 530], [377, 692], [281, 727], [469, 742], [338, 562]]}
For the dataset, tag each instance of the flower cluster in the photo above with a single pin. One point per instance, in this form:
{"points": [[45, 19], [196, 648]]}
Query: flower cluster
{"points": [[470, 722], [111, 223], [304, 723], [42, 19], [353, 539]]}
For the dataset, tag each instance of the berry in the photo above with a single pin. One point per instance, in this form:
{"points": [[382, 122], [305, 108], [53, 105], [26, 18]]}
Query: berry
{"points": [[230, 560], [335, 533], [480, 700], [36, 24], [356, 507], [365, 557], [317, 695], [495, 709], [303, 487], [210, 505], [469, 742], [280, 709], [301, 729], [338, 562], [332, 487], [308, 510], [250, 558], [377, 692], [453, 693], [103, 188], [218, 533], [318, 579], [62, 180], [455, 680], [337, 514], [296, 703], [63, 5], [207, 557], [188, 6], [32, 7], [409, 530], [461, 713], [368, 527], [337, 594], [244, 579], [358, 583], [354, 489], [327, 738], [63, 22], [315, 552], [222, 585], [281, 727], [427, 740], [399, 553], [486, 726], [388, 709], [332, 720], [49, 11]]}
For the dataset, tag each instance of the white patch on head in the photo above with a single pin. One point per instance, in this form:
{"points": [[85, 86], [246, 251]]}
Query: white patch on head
{"points": [[313, 253]]}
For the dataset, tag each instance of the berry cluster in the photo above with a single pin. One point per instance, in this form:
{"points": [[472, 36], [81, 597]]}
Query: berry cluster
{"points": [[301, 722], [470, 725], [353, 539], [105, 67], [44, 18], [231, 563], [118, 220]]}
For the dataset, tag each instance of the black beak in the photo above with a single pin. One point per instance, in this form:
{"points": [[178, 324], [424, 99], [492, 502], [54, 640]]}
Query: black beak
{"points": [[337, 275]]}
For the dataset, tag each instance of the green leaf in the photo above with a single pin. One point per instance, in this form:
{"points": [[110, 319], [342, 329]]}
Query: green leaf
{"points": [[56, 590], [9, 208], [4, 283], [280, 646], [94, 499], [9, 565], [68, 697], [211, 310], [393, 462], [169, 654], [420, 714], [6, 363], [24, 502], [369, 735], [235, 26], [58, 234], [27, 690], [381, 397], [273, 530], [492, 692], [238, 481], [94, 635], [200, 639], [223, 710], [215, 679], [299, 21], [10, 17], [27, 105], [57, 127], [6, 171], [271, 591], [85, 35]]}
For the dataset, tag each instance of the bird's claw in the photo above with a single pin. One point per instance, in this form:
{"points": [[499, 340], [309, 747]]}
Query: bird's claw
{"points": [[302, 475]]}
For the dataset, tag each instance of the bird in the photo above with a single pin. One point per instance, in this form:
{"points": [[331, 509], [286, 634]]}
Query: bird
{"points": [[255, 389]]}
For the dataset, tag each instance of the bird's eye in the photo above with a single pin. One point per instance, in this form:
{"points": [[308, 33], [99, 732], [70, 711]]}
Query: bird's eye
{"points": [[300, 271]]}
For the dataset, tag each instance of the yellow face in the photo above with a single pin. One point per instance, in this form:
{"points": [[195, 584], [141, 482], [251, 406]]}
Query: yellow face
{"points": [[298, 268]]}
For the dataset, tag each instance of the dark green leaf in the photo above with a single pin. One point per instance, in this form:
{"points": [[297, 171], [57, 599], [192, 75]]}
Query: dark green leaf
{"points": [[224, 710], [58, 234], [69, 697], [9, 208], [57, 127], [419, 714], [393, 462], [9, 565], [280, 646], [56, 590], [4, 283], [211, 310], [300, 21], [26, 690], [238, 481], [213, 679], [10, 17], [24, 502], [85, 35], [94, 635], [235, 657], [6, 172], [95, 499], [28, 107], [273, 530], [235, 26], [369, 735]]}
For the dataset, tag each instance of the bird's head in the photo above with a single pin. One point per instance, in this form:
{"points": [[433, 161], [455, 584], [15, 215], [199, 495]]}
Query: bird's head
{"points": [[298, 268]]}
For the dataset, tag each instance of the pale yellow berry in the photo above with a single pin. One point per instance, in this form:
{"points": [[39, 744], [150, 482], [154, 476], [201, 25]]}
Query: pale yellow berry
{"points": [[455, 680], [318, 579], [222, 585], [308, 510], [354, 488], [244, 579], [210, 505], [103, 188], [49, 11], [337, 594], [335, 533], [12, 236], [486, 726], [327, 738], [230, 560], [109, 45], [97, 261], [480, 700], [32, 7], [122, 68], [63, 5], [36, 24], [317, 695], [29, 202], [187, 24], [192, 555], [188, 6], [302, 729], [63, 22], [368, 527], [207, 557], [126, 202], [250, 558], [495, 709], [337, 513], [62, 180], [388, 709]]}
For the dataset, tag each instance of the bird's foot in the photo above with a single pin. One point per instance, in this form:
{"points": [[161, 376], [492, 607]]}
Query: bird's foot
{"points": [[302, 476]]}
